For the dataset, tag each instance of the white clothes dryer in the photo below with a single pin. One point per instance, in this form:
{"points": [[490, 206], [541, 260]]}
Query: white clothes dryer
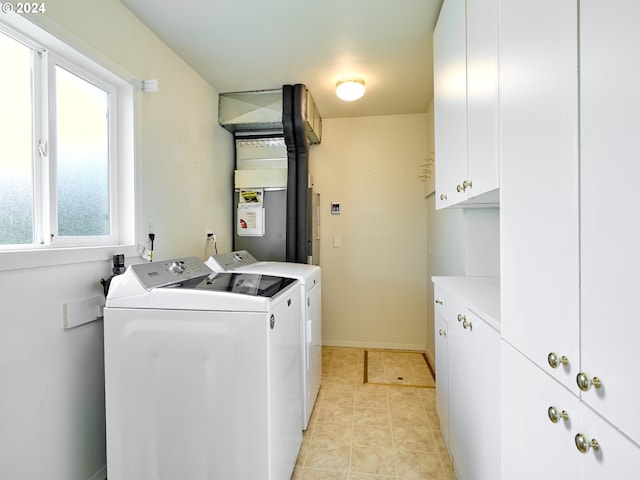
{"points": [[202, 373], [311, 312]]}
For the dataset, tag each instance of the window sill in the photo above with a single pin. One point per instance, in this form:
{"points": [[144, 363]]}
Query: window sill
{"points": [[49, 257]]}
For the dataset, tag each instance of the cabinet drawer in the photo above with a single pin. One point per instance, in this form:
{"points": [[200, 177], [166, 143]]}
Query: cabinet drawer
{"points": [[446, 304]]}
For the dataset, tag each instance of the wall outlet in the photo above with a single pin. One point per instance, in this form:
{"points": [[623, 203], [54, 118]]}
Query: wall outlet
{"points": [[208, 232], [148, 228]]}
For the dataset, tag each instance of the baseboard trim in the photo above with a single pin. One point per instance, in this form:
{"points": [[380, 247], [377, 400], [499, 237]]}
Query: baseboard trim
{"points": [[383, 346]]}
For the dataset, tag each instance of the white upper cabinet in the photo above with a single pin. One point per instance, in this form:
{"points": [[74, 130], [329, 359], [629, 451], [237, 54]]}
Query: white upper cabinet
{"points": [[610, 233], [465, 103], [539, 230], [450, 101], [482, 100]]}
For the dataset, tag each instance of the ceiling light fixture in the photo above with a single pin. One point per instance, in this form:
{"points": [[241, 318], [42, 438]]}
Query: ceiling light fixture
{"points": [[350, 89]]}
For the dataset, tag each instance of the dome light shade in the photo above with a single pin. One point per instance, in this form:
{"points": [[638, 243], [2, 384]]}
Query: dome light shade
{"points": [[350, 89]]}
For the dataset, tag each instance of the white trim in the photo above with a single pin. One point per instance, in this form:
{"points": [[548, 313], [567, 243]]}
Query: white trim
{"points": [[40, 31], [383, 346], [49, 257]]}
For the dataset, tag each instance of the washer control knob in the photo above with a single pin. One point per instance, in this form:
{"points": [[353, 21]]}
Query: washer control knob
{"points": [[177, 267]]}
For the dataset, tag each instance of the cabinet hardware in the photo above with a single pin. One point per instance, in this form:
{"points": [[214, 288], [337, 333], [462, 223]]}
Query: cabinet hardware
{"points": [[459, 188], [442, 333], [439, 302], [461, 317], [443, 196], [584, 382], [467, 184], [466, 324], [555, 415], [555, 360], [583, 445]]}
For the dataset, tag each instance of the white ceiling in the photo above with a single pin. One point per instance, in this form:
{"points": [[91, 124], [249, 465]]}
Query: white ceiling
{"points": [[244, 45]]}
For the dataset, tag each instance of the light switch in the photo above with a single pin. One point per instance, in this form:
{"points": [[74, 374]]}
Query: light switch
{"points": [[337, 241]]}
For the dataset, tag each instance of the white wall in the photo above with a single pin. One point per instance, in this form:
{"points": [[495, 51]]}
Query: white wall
{"points": [[374, 286], [52, 401]]}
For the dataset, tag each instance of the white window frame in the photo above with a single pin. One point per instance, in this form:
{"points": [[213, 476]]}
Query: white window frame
{"points": [[124, 102], [51, 235]]}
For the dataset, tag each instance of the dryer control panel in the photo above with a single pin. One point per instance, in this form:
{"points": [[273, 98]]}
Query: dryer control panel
{"points": [[158, 274], [223, 262]]}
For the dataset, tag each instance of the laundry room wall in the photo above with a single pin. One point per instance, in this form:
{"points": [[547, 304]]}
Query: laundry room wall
{"points": [[52, 403], [373, 254]]}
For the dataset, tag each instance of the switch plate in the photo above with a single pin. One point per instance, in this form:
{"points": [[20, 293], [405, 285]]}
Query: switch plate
{"points": [[337, 241]]}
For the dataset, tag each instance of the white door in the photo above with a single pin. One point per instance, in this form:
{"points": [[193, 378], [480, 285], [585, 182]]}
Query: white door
{"points": [[462, 355], [539, 256], [610, 234], [533, 447], [442, 375], [483, 399], [482, 96], [450, 102], [617, 457]]}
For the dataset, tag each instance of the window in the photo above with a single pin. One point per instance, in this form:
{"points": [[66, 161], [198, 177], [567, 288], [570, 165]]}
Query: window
{"points": [[61, 161]]}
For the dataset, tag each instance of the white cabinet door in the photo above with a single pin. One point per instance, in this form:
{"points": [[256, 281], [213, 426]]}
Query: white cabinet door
{"points": [[462, 355], [483, 399], [474, 397], [532, 446], [617, 456], [482, 96], [450, 102], [539, 244], [609, 208], [442, 375]]}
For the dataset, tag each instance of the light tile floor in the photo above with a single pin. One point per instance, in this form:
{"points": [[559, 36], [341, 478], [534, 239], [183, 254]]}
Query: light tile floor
{"points": [[362, 431]]}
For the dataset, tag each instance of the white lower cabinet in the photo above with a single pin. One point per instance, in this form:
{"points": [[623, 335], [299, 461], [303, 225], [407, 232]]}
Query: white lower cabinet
{"points": [[617, 456], [533, 447], [544, 424], [442, 376], [468, 383]]}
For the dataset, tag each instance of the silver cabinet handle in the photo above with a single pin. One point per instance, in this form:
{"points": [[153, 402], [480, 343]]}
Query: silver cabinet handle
{"points": [[467, 184], [461, 317], [556, 360], [439, 302], [584, 382], [459, 188], [466, 324], [443, 196], [555, 415], [583, 445], [442, 333]]}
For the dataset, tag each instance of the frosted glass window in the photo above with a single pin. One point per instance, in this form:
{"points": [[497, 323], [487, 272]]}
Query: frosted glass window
{"points": [[82, 159], [66, 140], [16, 147]]}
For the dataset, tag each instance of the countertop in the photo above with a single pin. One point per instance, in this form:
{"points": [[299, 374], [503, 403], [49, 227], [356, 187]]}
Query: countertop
{"points": [[480, 294]]}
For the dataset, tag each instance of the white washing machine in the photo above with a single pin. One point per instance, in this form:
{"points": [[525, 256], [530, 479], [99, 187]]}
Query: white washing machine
{"points": [[311, 313], [202, 373]]}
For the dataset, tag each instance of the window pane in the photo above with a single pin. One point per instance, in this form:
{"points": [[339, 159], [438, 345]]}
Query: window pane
{"points": [[82, 156], [16, 167]]}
